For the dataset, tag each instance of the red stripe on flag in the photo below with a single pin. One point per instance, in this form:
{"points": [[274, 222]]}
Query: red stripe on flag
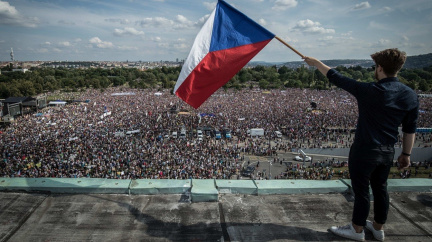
{"points": [[216, 69]]}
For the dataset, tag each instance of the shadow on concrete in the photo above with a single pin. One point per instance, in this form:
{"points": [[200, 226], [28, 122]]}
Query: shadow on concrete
{"points": [[425, 199], [185, 198], [101, 217], [348, 195], [222, 231]]}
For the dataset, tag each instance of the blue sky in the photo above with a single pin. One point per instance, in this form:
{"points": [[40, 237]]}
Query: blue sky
{"points": [[153, 30]]}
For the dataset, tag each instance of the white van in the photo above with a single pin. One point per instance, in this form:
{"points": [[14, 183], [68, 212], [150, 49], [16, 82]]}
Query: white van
{"points": [[183, 134], [174, 135], [256, 132], [199, 134], [278, 134]]}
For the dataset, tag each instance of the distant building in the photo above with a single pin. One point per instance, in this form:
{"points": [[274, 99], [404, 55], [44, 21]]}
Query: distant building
{"points": [[20, 70], [15, 106], [29, 65]]}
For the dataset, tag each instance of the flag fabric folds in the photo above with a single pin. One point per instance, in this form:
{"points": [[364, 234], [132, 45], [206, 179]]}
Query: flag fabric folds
{"points": [[227, 42]]}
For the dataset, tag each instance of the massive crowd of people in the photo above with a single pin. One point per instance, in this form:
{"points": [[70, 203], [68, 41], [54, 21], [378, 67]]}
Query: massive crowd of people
{"points": [[121, 133]]}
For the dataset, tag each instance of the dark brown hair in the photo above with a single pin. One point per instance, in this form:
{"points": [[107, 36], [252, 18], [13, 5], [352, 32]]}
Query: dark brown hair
{"points": [[391, 60]]}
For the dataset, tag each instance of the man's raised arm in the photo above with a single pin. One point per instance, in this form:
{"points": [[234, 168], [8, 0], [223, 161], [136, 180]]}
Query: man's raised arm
{"points": [[323, 68]]}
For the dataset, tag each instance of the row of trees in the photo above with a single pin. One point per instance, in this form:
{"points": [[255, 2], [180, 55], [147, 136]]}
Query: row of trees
{"points": [[40, 80]]}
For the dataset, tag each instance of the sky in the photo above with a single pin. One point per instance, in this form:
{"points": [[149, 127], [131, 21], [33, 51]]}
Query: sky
{"points": [[155, 30]]}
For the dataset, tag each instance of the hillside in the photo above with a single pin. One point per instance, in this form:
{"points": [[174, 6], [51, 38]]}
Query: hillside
{"points": [[419, 61], [412, 62]]}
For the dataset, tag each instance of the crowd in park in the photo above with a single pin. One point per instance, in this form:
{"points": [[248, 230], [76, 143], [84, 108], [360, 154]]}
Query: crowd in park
{"points": [[122, 133]]}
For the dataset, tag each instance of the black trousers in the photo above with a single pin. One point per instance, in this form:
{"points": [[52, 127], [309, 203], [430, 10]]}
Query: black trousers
{"points": [[370, 164]]}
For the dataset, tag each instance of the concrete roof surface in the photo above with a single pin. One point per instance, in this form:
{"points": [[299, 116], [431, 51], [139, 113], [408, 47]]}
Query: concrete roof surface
{"points": [[234, 217]]}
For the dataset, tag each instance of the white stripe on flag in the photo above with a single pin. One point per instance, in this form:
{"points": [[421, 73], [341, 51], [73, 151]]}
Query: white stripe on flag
{"points": [[200, 49]]}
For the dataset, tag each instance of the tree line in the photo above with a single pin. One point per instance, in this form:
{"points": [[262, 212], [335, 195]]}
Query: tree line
{"points": [[40, 80]]}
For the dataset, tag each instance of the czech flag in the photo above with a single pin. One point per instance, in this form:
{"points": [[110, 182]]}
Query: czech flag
{"points": [[227, 42]]}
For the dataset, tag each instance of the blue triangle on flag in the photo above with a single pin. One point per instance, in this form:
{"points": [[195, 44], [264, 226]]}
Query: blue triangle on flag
{"points": [[232, 28]]}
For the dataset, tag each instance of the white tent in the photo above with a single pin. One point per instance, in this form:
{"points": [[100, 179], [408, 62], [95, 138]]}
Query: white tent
{"points": [[123, 94], [57, 103]]}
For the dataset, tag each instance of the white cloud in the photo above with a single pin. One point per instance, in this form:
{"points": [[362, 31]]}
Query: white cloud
{"points": [[281, 5], [96, 42], [156, 22], [10, 16], [404, 41], [341, 40], [42, 50], [157, 39], [183, 22], [180, 22], [290, 40], [310, 27], [7, 10], [210, 5], [384, 42], [363, 5], [326, 38], [65, 44], [181, 46], [117, 20], [128, 48], [202, 20], [262, 21], [127, 31]]}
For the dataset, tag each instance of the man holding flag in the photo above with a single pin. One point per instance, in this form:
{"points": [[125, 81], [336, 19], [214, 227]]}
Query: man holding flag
{"points": [[383, 106]]}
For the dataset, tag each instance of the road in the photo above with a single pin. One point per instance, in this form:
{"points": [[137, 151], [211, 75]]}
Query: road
{"points": [[268, 166]]}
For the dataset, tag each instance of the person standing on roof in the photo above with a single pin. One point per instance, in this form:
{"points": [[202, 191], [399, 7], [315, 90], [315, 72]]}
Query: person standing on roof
{"points": [[383, 106]]}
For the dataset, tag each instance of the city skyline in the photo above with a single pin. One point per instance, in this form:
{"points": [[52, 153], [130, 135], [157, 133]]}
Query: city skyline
{"points": [[155, 30]]}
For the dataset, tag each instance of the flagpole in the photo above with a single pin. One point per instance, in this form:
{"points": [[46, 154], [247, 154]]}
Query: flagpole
{"points": [[289, 46]]}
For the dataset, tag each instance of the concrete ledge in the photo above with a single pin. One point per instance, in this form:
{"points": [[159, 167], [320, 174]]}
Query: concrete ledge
{"points": [[204, 190], [403, 185], [299, 186], [236, 187], [65, 185], [409, 185], [155, 186]]}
